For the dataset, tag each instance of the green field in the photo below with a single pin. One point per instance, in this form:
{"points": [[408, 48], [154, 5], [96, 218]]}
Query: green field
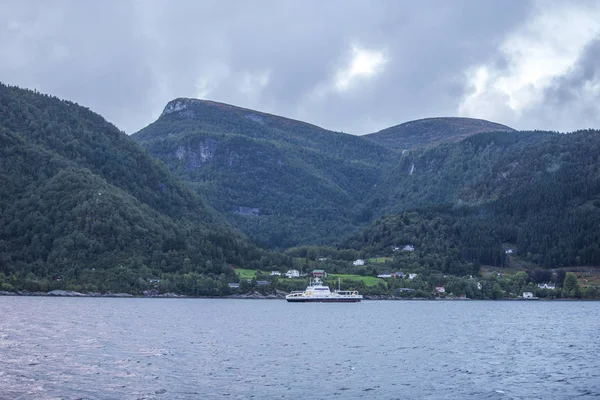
{"points": [[368, 280], [379, 259], [246, 273]]}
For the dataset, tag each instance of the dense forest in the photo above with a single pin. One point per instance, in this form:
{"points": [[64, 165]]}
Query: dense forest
{"points": [[84, 207], [538, 192]]}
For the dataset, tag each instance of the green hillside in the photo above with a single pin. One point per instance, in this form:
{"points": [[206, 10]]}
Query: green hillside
{"points": [[537, 193], [283, 182], [84, 207]]}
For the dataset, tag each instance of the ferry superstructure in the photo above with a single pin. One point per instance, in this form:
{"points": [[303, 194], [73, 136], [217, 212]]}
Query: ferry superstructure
{"points": [[316, 292]]}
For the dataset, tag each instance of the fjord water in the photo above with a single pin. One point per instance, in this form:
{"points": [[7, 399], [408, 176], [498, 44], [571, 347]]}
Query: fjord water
{"points": [[108, 348]]}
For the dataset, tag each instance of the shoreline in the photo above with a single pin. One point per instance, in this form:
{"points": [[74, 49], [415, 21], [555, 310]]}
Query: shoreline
{"points": [[247, 296]]}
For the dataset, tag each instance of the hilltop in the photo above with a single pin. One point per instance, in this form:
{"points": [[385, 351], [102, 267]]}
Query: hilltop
{"points": [[432, 131]]}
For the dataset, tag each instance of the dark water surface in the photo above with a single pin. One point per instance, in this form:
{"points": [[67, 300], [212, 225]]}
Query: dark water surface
{"points": [[103, 348]]}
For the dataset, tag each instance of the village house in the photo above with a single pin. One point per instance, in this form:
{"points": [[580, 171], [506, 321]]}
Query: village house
{"points": [[262, 283], [550, 286], [275, 273], [385, 275], [358, 262], [528, 295], [319, 273], [440, 289], [508, 251], [233, 285], [412, 276], [292, 273], [399, 274], [408, 247]]}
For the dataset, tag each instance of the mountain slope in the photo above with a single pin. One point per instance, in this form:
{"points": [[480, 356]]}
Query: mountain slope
{"points": [[432, 131], [83, 203], [536, 192], [283, 182]]}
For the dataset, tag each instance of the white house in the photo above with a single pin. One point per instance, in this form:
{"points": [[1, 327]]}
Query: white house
{"points": [[292, 273], [358, 262], [395, 248], [479, 285], [385, 275], [275, 273], [408, 247], [412, 276], [440, 289], [322, 258], [528, 295], [508, 251], [551, 286]]}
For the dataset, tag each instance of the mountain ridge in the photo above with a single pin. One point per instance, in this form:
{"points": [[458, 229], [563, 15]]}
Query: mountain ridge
{"points": [[433, 131], [181, 103]]}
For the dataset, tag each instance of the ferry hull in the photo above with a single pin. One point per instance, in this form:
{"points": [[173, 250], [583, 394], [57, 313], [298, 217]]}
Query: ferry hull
{"points": [[309, 300]]}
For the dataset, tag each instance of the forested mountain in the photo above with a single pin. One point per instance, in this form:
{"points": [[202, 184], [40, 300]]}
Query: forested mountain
{"points": [[285, 183], [281, 181], [83, 206], [432, 131], [537, 193]]}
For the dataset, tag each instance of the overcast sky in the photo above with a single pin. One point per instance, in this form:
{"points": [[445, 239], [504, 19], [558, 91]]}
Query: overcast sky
{"points": [[352, 66]]}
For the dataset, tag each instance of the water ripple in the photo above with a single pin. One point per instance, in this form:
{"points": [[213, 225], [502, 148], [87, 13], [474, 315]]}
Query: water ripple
{"points": [[96, 348]]}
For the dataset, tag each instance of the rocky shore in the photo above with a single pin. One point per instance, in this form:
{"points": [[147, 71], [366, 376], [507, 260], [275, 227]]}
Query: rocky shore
{"points": [[64, 293], [146, 294]]}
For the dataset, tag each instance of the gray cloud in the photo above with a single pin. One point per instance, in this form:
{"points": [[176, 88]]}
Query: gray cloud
{"points": [[127, 59], [572, 101]]}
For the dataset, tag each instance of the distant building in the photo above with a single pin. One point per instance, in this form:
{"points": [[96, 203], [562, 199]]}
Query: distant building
{"points": [[292, 273], [528, 295], [319, 273], [262, 283], [248, 211], [412, 276], [358, 262], [275, 273], [550, 286], [233, 285], [399, 274], [508, 251], [152, 280], [395, 248], [385, 275], [322, 258], [408, 247], [440, 289]]}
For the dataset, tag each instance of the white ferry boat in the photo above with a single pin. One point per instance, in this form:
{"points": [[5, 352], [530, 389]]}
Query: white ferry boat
{"points": [[318, 293]]}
